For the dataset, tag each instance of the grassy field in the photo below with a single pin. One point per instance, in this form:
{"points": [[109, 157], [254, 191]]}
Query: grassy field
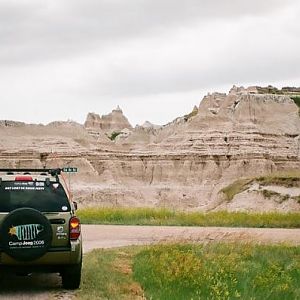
{"points": [[219, 271], [148, 216], [211, 271]]}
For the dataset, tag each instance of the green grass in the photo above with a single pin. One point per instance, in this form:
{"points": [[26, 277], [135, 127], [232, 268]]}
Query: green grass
{"points": [[219, 271], [192, 271], [148, 216], [292, 180], [114, 135], [296, 100], [107, 274]]}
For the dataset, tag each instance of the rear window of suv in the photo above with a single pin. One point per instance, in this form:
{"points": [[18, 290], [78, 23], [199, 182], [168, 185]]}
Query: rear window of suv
{"points": [[34, 194]]}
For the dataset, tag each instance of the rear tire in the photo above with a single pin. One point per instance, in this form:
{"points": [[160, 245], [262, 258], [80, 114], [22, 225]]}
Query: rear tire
{"points": [[71, 276]]}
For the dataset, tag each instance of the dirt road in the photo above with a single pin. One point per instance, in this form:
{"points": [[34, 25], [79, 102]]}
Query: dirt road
{"points": [[108, 236]]}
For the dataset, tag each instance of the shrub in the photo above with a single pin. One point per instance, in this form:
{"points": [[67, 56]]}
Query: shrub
{"points": [[114, 134]]}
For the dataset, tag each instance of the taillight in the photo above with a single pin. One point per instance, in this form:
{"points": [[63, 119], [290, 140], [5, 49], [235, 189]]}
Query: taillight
{"points": [[74, 228], [23, 178]]}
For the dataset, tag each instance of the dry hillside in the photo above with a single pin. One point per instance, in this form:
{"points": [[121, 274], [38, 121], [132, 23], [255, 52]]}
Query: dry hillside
{"points": [[186, 164]]}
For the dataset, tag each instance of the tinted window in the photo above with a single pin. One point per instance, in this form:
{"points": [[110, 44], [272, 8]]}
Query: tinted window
{"points": [[33, 194]]}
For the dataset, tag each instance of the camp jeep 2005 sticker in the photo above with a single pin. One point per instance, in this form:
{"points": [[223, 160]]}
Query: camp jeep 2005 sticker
{"points": [[26, 235]]}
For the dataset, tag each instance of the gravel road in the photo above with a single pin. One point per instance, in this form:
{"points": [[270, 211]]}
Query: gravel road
{"points": [[109, 236]]}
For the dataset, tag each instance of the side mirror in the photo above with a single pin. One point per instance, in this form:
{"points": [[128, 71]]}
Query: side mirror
{"points": [[75, 205]]}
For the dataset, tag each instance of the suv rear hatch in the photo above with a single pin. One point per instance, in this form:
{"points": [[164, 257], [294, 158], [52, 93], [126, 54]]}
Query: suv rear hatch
{"points": [[46, 196]]}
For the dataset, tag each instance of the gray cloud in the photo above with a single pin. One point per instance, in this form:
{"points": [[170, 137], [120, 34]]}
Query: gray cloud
{"points": [[97, 54], [38, 30]]}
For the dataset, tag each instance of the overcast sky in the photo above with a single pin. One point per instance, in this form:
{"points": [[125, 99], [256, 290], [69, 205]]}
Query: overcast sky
{"points": [[60, 59]]}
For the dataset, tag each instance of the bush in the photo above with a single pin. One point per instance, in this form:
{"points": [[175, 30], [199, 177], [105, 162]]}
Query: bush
{"points": [[114, 134]]}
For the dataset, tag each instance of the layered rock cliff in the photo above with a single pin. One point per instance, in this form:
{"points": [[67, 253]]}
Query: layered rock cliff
{"points": [[184, 164]]}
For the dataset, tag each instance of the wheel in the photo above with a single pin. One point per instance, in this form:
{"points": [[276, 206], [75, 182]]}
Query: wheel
{"points": [[25, 234], [71, 276]]}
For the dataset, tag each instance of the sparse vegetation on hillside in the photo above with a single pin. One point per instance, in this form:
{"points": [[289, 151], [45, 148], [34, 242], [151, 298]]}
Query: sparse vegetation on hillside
{"points": [[269, 90], [191, 114], [148, 216], [235, 188], [296, 100], [219, 271], [288, 179], [277, 196], [114, 134], [290, 91]]}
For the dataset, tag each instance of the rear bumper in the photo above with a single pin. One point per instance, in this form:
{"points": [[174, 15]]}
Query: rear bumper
{"points": [[54, 257]]}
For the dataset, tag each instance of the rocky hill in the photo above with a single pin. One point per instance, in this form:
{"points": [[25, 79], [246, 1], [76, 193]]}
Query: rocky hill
{"points": [[115, 121], [185, 164]]}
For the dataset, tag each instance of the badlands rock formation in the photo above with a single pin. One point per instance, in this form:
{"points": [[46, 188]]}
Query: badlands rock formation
{"points": [[115, 121], [184, 164]]}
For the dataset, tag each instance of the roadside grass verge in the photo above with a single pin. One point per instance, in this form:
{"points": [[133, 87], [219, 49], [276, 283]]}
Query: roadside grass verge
{"points": [[192, 271], [149, 216], [107, 274], [219, 271]]}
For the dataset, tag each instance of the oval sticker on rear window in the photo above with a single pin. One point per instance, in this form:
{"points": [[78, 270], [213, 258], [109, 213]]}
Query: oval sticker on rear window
{"points": [[64, 208]]}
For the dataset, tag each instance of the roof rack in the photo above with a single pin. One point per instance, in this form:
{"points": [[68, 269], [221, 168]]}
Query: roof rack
{"points": [[52, 172]]}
